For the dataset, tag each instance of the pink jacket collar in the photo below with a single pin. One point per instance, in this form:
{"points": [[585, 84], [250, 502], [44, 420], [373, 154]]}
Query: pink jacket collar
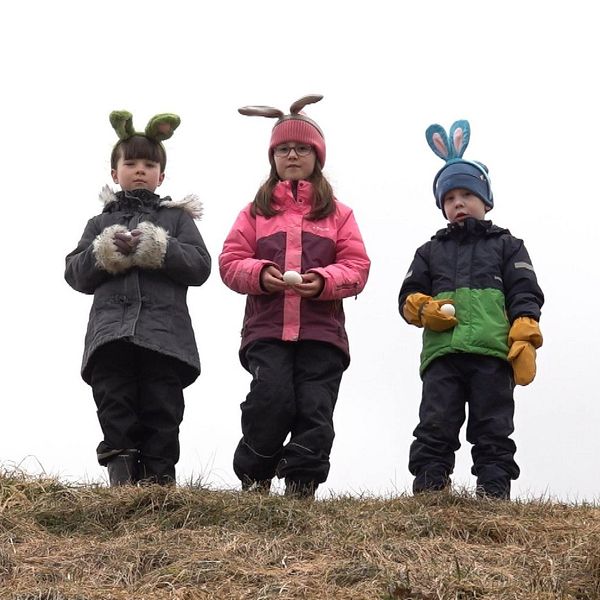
{"points": [[283, 197]]}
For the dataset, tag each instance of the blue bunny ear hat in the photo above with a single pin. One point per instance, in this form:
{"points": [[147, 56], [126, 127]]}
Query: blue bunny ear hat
{"points": [[457, 172]]}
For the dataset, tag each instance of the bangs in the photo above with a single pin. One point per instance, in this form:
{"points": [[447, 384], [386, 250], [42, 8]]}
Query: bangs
{"points": [[139, 146]]}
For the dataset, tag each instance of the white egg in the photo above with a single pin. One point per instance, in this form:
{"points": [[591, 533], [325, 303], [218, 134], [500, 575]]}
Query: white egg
{"points": [[292, 277], [447, 309]]}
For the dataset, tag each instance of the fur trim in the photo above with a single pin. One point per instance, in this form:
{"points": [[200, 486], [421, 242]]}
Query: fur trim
{"points": [[106, 253], [152, 247], [106, 195], [191, 204]]}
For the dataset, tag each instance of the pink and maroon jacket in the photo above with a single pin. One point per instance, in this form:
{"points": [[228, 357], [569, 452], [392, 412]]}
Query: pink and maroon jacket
{"points": [[332, 247]]}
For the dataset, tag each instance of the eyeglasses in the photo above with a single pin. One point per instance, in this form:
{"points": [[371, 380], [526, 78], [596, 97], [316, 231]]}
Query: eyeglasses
{"points": [[285, 149]]}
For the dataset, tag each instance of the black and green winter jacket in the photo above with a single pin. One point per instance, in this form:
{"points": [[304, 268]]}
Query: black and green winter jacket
{"points": [[488, 274]]}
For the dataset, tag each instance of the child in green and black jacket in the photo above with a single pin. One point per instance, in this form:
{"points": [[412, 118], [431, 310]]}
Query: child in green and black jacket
{"points": [[484, 341]]}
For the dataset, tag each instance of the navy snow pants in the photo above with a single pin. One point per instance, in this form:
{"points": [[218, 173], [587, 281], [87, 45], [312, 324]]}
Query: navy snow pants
{"points": [[451, 382]]}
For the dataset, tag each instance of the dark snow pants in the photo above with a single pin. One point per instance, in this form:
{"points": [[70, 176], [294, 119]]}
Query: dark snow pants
{"points": [[449, 383], [293, 391], [139, 397]]}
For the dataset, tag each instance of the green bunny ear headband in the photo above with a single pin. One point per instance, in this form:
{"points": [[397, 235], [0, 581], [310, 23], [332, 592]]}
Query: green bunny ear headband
{"points": [[160, 127]]}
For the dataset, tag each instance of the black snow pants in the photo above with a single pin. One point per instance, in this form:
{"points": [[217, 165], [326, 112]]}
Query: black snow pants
{"points": [[139, 397], [293, 392]]}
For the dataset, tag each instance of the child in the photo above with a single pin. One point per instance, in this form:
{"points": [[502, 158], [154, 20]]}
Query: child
{"points": [[294, 343], [486, 275], [138, 257]]}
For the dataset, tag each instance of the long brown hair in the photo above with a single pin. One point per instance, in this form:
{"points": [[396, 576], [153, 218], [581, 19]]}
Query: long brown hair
{"points": [[323, 200]]}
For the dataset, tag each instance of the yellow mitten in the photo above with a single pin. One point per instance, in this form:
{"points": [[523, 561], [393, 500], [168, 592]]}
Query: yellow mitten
{"points": [[423, 311], [523, 339], [412, 306], [525, 329], [522, 358]]}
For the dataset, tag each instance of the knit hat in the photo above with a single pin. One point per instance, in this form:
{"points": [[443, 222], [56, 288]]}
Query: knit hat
{"points": [[295, 127], [457, 172]]}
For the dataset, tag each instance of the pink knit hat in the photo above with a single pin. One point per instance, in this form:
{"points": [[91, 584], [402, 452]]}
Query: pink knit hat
{"points": [[295, 127]]}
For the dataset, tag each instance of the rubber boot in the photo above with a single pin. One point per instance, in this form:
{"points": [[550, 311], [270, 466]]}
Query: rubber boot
{"points": [[123, 468]]}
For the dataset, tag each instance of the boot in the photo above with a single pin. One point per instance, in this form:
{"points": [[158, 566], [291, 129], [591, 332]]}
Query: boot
{"points": [[262, 487], [434, 480], [300, 490], [123, 468], [496, 490], [156, 472]]}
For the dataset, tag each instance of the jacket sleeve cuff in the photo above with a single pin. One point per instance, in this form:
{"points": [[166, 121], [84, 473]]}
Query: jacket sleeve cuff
{"points": [[108, 258], [152, 247]]}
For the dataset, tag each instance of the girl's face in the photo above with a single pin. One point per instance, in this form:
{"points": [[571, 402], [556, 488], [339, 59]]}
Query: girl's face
{"points": [[137, 174], [460, 203], [294, 161]]}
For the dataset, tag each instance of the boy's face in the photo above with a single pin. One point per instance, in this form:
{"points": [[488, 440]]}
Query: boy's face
{"points": [[461, 203], [137, 174]]}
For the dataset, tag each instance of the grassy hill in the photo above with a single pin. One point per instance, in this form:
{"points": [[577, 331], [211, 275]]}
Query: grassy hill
{"points": [[86, 542]]}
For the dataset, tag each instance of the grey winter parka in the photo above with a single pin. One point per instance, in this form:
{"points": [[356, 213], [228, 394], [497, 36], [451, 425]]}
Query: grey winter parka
{"points": [[141, 297]]}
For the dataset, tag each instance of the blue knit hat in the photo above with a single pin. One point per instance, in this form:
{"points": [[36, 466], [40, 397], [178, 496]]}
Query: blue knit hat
{"points": [[463, 174], [457, 172]]}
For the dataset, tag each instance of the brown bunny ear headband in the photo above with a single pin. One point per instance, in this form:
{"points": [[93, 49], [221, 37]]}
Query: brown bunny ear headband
{"points": [[294, 127], [159, 128]]}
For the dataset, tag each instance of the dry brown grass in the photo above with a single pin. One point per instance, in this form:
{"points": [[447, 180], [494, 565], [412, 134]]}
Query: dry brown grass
{"points": [[76, 542]]}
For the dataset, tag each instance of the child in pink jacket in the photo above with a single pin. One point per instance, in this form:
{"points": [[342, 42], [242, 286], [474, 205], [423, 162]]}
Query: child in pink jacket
{"points": [[296, 252]]}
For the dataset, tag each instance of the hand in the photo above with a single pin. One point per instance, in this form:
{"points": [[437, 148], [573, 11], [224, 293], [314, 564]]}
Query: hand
{"points": [[271, 280], [312, 285], [523, 339], [433, 318], [423, 311], [525, 329], [127, 241], [522, 358]]}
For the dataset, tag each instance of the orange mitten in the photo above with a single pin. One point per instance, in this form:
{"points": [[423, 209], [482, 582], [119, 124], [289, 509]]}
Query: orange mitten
{"points": [[423, 311], [522, 358], [412, 306], [523, 339]]}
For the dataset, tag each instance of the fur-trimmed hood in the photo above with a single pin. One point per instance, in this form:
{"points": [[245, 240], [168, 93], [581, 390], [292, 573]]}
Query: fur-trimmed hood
{"points": [[191, 204]]}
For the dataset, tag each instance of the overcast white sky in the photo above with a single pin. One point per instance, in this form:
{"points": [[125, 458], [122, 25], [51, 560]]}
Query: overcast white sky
{"points": [[524, 74]]}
